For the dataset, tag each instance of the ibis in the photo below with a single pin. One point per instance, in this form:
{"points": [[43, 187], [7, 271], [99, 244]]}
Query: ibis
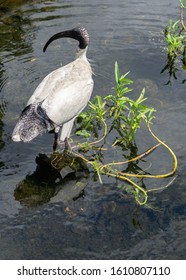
{"points": [[60, 97]]}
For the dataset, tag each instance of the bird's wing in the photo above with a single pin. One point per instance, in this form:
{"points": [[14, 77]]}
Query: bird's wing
{"points": [[65, 92], [68, 101], [49, 83]]}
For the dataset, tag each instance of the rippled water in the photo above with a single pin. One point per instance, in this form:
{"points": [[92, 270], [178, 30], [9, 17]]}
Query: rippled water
{"points": [[101, 223]]}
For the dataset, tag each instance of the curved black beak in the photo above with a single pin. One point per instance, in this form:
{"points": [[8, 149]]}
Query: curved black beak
{"points": [[79, 33]]}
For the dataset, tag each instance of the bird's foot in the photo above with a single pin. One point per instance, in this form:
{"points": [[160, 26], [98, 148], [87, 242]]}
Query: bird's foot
{"points": [[55, 144], [67, 145]]}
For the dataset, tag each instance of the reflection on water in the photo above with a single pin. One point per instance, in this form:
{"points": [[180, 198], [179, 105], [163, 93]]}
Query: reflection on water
{"points": [[2, 113], [15, 30], [172, 68], [3, 104], [101, 223], [47, 181]]}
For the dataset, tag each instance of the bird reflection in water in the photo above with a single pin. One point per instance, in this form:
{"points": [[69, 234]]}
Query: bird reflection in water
{"points": [[55, 179]]}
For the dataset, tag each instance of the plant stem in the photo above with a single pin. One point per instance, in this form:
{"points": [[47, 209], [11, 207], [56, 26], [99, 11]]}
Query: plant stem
{"points": [[182, 19]]}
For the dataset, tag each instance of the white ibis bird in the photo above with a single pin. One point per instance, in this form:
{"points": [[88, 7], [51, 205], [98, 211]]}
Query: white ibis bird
{"points": [[60, 97]]}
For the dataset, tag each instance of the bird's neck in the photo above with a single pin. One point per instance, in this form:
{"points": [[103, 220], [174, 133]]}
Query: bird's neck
{"points": [[81, 53]]}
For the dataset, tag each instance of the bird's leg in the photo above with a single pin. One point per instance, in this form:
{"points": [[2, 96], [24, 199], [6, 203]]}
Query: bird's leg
{"points": [[67, 144], [55, 144]]}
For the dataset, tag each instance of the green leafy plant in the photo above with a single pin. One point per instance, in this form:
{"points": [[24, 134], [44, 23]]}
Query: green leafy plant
{"points": [[127, 113], [124, 114], [175, 37], [120, 114]]}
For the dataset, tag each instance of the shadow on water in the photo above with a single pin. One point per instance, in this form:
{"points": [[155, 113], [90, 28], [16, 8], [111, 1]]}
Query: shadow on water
{"points": [[2, 113], [3, 104], [46, 182]]}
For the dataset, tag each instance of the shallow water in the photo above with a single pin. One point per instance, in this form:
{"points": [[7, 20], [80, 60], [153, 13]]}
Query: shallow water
{"points": [[101, 223]]}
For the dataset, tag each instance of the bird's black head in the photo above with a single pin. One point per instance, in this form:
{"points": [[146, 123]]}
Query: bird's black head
{"points": [[79, 33]]}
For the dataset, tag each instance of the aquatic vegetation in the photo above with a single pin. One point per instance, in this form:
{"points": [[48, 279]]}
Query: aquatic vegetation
{"points": [[124, 114], [175, 37], [121, 116]]}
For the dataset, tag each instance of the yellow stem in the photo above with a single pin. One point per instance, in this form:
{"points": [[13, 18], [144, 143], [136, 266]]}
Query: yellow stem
{"points": [[162, 188], [134, 185], [133, 159], [182, 19], [159, 176]]}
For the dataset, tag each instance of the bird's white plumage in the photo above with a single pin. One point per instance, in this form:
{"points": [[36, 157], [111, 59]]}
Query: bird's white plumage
{"points": [[68, 96], [65, 92], [57, 100]]}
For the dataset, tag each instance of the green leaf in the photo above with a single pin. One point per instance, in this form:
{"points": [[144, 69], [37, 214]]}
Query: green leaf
{"points": [[84, 133], [116, 73]]}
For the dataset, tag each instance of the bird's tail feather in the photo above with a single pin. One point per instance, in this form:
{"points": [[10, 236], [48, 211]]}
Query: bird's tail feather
{"points": [[33, 121]]}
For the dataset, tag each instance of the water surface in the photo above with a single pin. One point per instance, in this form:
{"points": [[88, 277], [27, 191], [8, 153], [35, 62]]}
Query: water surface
{"points": [[101, 223]]}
